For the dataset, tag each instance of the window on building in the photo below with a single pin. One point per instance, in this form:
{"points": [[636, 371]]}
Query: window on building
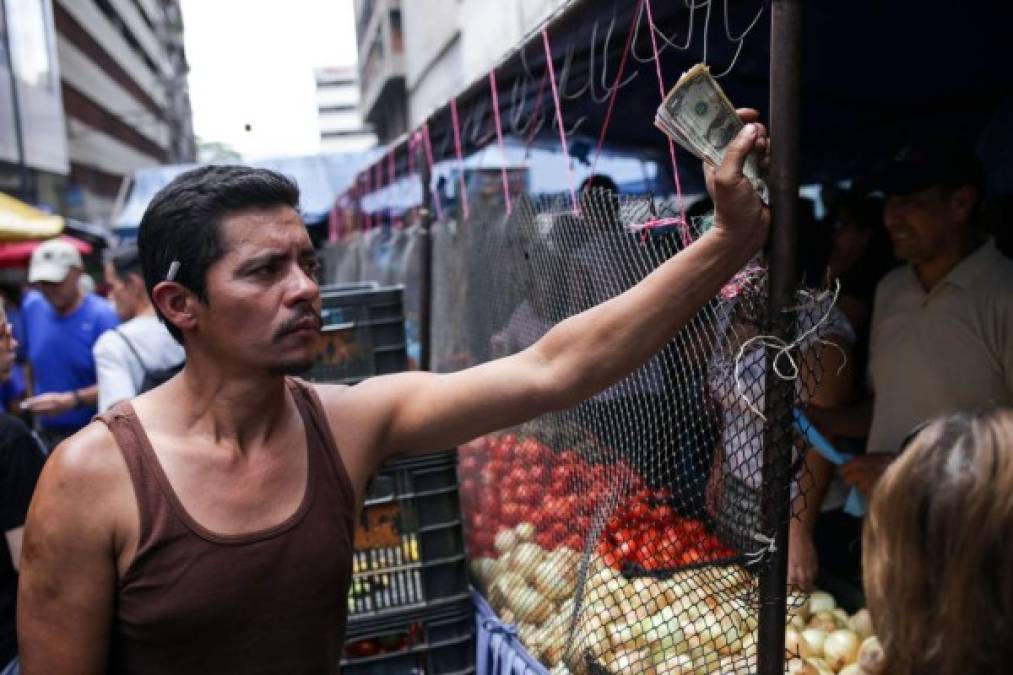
{"points": [[30, 43]]}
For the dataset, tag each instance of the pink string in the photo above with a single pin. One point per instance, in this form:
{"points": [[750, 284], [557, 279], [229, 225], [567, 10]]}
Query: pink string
{"points": [[559, 117], [369, 192], [499, 137], [460, 158], [686, 239], [432, 171], [615, 85]]}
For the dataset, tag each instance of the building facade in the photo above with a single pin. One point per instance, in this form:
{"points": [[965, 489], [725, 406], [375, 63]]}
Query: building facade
{"points": [[382, 66], [416, 54], [102, 91], [338, 111]]}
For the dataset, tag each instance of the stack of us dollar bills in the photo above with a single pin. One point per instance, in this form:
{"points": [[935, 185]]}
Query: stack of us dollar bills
{"points": [[697, 115]]}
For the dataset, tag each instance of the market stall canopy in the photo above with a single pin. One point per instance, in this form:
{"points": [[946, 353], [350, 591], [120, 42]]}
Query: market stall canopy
{"points": [[874, 74], [19, 221], [18, 254], [320, 179]]}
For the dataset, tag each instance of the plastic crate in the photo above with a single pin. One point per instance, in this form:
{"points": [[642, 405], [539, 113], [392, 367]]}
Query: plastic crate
{"points": [[409, 543], [363, 334], [424, 642]]}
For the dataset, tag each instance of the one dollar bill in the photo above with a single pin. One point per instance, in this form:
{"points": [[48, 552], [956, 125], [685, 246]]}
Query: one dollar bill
{"points": [[697, 115]]}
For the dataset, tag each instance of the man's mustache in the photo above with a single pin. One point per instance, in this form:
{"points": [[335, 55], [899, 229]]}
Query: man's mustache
{"points": [[300, 321]]}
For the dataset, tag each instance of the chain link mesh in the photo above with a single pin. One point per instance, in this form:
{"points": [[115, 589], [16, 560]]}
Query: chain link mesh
{"points": [[622, 535]]}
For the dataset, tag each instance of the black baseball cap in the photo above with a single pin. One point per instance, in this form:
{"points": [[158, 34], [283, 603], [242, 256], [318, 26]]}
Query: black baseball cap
{"points": [[919, 166]]}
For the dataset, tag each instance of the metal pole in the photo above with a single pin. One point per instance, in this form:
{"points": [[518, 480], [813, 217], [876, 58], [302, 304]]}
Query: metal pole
{"points": [[16, 108], [426, 282], [785, 75]]}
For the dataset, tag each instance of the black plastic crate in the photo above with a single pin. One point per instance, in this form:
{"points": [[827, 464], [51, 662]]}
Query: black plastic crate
{"points": [[409, 543], [424, 642], [363, 334]]}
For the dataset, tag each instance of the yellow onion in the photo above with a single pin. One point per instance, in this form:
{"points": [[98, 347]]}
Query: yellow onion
{"points": [[840, 648], [861, 623], [819, 601], [871, 657], [795, 645], [505, 541], [851, 669], [524, 531], [815, 638]]}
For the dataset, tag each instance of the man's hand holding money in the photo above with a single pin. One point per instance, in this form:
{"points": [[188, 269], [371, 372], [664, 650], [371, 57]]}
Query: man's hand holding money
{"points": [[738, 209]]}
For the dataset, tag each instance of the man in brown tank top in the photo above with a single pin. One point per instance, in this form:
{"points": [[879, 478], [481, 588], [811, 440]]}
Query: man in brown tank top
{"points": [[206, 527]]}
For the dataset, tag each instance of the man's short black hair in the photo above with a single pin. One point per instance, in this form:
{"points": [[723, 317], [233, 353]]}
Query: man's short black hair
{"points": [[125, 260], [182, 221]]}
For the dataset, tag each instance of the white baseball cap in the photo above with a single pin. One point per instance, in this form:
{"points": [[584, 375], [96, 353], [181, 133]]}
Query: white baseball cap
{"points": [[52, 261]]}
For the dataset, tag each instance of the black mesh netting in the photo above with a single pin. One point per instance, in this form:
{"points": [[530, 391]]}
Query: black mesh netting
{"points": [[623, 535]]}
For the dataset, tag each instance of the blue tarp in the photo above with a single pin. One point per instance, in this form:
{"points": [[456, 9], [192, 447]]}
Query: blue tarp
{"points": [[321, 178]]}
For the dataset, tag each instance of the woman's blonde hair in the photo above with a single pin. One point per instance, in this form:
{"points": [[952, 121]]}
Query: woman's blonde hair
{"points": [[938, 549]]}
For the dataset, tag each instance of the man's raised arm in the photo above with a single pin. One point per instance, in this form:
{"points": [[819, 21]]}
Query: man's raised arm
{"points": [[424, 412]]}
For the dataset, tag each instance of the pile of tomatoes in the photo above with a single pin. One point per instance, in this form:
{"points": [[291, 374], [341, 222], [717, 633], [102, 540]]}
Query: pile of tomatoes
{"points": [[506, 480], [645, 531]]}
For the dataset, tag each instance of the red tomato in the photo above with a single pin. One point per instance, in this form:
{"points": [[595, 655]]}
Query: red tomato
{"points": [[483, 541], [479, 522], [528, 494], [662, 514], [541, 518], [626, 550], [512, 513], [468, 464], [624, 535], [546, 540], [581, 525], [559, 531], [568, 457], [503, 449], [574, 542], [638, 511], [689, 556], [468, 487], [538, 474]]}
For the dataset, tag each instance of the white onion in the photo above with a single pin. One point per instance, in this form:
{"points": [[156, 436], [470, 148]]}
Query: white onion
{"points": [[851, 669], [628, 661], [795, 645], [840, 648], [871, 656], [861, 623], [526, 558], [666, 663], [820, 601], [820, 665], [823, 621], [505, 541], [525, 531], [815, 638], [528, 604]]}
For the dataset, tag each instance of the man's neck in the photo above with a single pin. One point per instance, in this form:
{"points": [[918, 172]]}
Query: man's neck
{"points": [[73, 307], [931, 272], [227, 407]]}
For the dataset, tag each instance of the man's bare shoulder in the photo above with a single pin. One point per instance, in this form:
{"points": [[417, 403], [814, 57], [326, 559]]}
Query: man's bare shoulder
{"points": [[87, 468]]}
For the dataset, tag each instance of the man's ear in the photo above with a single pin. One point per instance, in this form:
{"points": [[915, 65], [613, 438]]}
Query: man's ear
{"points": [[176, 303], [962, 201]]}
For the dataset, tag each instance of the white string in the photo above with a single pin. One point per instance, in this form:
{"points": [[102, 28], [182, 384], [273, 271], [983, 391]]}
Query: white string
{"points": [[769, 548], [783, 350]]}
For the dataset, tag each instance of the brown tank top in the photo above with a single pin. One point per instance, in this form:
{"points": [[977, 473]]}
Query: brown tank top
{"points": [[273, 601]]}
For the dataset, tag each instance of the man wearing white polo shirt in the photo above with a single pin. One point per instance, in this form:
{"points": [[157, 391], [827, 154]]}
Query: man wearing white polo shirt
{"points": [[942, 325]]}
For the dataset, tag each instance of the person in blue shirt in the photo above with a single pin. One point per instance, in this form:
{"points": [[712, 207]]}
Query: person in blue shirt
{"points": [[61, 325]]}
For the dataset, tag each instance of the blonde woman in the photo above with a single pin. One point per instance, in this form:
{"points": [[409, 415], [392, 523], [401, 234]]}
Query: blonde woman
{"points": [[938, 548]]}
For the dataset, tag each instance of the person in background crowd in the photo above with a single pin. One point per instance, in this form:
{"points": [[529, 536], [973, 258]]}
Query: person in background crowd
{"points": [[219, 527], [13, 389], [942, 325], [938, 545], [140, 353], [21, 462], [61, 327], [825, 378]]}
